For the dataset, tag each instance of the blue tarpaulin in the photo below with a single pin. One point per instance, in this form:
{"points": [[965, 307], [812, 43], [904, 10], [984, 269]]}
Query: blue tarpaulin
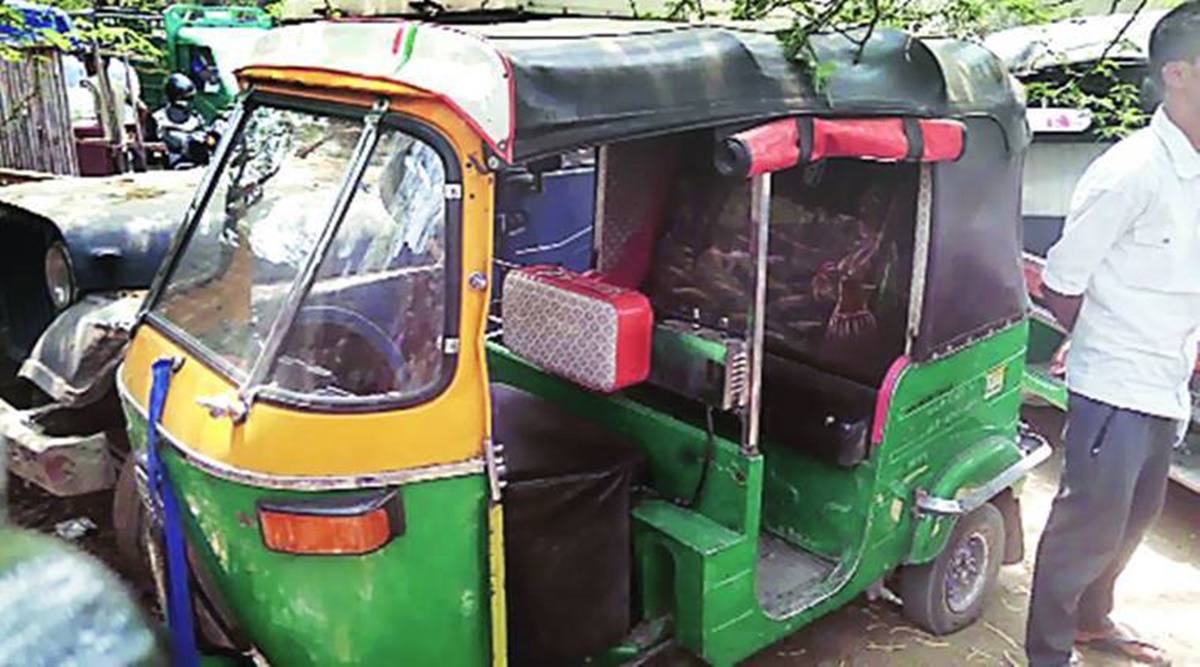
{"points": [[37, 18]]}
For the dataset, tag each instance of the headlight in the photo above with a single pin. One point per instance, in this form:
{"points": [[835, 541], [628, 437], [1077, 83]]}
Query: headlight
{"points": [[59, 279]]}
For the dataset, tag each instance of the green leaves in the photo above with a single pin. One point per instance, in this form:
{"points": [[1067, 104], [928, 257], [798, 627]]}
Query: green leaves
{"points": [[1115, 104]]}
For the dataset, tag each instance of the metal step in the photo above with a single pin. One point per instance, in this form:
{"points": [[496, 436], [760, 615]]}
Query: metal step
{"points": [[786, 575]]}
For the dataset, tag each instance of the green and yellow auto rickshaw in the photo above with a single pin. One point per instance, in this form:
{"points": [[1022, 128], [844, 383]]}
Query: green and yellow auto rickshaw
{"points": [[790, 375]]}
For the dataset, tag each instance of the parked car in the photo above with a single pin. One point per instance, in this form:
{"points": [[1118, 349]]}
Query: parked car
{"points": [[72, 269]]}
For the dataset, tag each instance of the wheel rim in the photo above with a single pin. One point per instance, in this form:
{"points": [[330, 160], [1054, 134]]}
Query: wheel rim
{"points": [[967, 574]]}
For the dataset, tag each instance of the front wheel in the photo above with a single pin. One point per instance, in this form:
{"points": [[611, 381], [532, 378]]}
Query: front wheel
{"points": [[949, 593], [135, 528]]}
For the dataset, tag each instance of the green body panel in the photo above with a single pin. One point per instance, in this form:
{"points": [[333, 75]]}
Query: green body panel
{"points": [[699, 564], [815, 504], [969, 469], [420, 600], [953, 425], [1045, 336]]}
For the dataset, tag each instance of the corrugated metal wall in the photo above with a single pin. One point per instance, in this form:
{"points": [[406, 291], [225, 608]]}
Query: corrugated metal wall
{"points": [[35, 123]]}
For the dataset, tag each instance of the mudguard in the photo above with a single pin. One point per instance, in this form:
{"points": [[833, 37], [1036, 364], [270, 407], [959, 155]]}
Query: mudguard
{"points": [[62, 445], [76, 357], [985, 471]]}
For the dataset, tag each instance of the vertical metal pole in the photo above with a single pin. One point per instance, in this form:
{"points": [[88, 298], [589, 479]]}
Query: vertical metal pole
{"points": [[756, 320], [924, 227], [299, 289]]}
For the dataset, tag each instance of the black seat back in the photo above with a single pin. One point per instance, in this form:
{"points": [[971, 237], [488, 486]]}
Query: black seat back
{"points": [[817, 412], [567, 534]]}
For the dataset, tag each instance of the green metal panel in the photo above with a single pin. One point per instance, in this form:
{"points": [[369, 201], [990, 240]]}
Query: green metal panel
{"points": [[969, 469], [420, 600], [1045, 336], [815, 504], [953, 425], [699, 565], [1039, 383], [674, 448]]}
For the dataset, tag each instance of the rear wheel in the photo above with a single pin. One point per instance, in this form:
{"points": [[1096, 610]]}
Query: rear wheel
{"points": [[949, 593]]}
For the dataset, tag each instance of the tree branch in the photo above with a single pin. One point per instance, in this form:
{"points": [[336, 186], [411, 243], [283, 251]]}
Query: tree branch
{"points": [[1124, 29], [862, 46]]}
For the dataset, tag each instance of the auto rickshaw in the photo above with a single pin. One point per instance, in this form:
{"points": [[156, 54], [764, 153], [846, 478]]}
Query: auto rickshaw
{"points": [[790, 376]]}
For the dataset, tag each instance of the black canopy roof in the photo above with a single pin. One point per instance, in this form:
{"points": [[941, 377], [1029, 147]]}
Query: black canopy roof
{"points": [[579, 81]]}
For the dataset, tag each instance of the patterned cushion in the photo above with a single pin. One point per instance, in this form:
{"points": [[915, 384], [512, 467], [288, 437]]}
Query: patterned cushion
{"points": [[578, 327]]}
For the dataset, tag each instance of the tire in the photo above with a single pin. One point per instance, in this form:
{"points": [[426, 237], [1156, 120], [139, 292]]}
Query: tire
{"points": [[134, 527], [130, 521], [938, 600]]}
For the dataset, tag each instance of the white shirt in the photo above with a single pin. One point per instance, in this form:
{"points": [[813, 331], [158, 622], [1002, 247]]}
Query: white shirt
{"points": [[1131, 247], [125, 86]]}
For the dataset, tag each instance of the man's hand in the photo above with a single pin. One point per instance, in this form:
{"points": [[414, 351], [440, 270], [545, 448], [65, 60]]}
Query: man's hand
{"points": [[1064, 308], [1058, 363]]}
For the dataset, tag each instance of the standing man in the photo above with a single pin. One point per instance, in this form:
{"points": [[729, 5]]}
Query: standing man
{"points": [[1125, 278]]}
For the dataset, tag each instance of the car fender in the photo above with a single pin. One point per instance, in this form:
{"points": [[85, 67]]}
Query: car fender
{"points": [[75, 359], [117, 230]]}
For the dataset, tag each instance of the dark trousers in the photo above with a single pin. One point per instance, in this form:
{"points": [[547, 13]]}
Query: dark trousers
{"points": [[1112, 488]]}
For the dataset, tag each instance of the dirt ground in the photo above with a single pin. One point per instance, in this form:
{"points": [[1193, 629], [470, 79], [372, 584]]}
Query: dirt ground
{"points": [[1159, 594]]}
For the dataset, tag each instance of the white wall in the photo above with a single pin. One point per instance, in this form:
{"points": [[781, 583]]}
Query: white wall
{"points": [[1051, 171]]}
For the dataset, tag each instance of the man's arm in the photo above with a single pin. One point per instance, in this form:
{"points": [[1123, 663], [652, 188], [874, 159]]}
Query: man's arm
{"points": [[1107, 200], [1064, 308]]}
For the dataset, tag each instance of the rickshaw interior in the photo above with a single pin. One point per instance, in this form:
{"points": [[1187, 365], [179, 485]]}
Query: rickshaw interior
{"points": [[840, 266]]}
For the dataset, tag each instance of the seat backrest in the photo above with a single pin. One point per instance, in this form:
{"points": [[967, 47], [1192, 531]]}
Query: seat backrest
{"points": [[634, 180], [816, 412]]}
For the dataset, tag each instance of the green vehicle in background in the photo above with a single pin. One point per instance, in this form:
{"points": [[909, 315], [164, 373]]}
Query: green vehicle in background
{"points": [[207, 43]]}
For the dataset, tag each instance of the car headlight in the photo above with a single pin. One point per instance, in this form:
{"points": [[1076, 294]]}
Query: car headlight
{"points": [[60, 280]]}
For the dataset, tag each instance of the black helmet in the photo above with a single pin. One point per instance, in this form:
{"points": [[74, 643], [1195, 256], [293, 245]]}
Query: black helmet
{"points": [[179, 88]]}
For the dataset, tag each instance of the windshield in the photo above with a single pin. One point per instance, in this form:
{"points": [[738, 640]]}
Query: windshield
{"points": [[230, 48], [372, 321], [268, 206]]}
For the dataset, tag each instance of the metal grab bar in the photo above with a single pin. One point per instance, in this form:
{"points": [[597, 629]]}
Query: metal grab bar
{"points": [[980, 495]]}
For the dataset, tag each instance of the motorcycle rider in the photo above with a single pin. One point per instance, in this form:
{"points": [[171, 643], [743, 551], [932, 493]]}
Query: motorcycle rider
{"points": [[181, 127]]}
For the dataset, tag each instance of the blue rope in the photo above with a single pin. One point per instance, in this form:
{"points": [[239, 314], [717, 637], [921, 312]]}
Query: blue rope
{"points": [[179, 599]]}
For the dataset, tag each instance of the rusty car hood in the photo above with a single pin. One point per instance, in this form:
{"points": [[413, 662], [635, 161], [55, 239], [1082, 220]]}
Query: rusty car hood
{"points": [[117, 229]]}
